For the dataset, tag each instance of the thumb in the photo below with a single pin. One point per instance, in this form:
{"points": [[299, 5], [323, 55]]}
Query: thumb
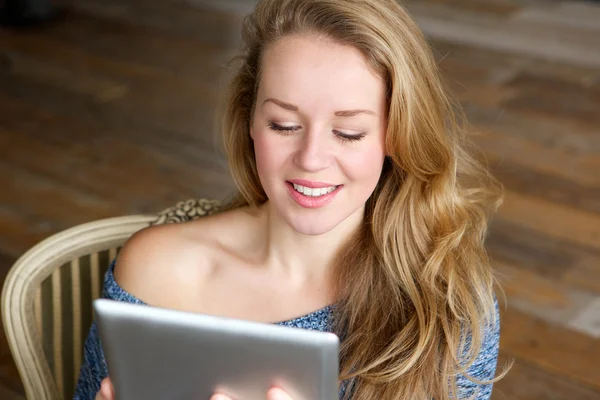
{"points": [[219, 396], [277, 394], [107, 390]]}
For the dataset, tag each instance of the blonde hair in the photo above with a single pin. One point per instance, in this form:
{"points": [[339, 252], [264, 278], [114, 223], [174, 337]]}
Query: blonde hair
{"points": [[416, 276]]}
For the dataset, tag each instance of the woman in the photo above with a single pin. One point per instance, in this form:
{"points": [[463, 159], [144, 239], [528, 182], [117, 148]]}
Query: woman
{"points": [[359, 197]]}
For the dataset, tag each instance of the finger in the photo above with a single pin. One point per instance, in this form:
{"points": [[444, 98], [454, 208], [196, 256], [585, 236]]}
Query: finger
{"points": [[107, 389], [102, 393], [278, 394], [219, 396]]}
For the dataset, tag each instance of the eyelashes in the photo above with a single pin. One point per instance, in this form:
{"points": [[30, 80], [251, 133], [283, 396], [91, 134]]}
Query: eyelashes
{"points": [[287, 130], [349, 138], [283, 130]]}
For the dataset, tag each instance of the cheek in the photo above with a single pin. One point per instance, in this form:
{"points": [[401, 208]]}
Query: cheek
{"points": [[269, 155], [365, 166]]}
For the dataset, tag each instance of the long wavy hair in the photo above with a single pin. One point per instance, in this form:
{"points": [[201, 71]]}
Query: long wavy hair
{"points": [[416, 276]]}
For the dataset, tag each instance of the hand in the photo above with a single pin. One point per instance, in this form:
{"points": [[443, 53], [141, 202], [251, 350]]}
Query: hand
{"points": [[272, 394], [107, 391]]}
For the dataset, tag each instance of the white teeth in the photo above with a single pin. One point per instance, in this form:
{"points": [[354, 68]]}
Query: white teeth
{"points": [[314, 192]]}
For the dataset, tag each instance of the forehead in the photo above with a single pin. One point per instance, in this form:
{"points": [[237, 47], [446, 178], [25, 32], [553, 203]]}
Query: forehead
{"points": [[311, 70]]}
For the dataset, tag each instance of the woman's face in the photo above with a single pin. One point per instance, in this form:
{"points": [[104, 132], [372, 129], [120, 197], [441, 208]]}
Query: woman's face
{"points": [[318, 129]]}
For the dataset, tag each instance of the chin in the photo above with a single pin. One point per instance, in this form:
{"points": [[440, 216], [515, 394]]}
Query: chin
{"points": [[314, 223], [312, 228], [318, 221]]}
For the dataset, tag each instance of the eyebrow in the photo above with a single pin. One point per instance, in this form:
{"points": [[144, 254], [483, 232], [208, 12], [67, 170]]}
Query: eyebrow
{"points": [[342, 113]]}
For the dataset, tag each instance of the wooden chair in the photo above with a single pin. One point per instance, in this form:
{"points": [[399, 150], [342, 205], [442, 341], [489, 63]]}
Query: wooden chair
{"points": [[48, 293]]}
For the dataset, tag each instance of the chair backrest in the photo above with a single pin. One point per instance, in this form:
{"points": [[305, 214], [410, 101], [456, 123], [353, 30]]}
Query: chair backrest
{"points": [[48, 293]]}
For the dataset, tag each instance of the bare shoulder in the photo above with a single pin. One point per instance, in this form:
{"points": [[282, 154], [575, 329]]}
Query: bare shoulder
{"points": [[169, 265]]}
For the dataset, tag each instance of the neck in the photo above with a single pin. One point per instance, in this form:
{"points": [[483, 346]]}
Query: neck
{"points": [[299, 256]]}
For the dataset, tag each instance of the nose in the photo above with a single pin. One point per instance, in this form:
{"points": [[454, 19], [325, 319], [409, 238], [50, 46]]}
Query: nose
{"points": [[313, 153]]}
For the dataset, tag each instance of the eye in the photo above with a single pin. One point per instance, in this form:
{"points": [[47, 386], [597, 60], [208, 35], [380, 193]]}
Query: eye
{"points": [[345, 137], [283, 130]]}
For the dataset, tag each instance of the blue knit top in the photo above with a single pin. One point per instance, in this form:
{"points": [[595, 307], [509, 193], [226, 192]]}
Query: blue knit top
{"points": [[93, 368]]}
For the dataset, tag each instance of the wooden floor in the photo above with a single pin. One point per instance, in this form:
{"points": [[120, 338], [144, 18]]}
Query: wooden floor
{"points": [[110, 112]]}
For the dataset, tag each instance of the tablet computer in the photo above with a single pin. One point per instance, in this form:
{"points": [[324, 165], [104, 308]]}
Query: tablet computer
{"points": [[159, 354]]}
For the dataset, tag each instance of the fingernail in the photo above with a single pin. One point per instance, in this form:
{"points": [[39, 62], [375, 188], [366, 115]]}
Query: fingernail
{"points": [[105, 388], [277, 394]]}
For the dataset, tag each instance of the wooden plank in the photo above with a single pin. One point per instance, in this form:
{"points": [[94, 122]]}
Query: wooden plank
{"points": [[19, 232], [93, 171], [98, 172], [556, 189], [464, 66], [576, 135], [585, 276], [494, 7], [238, 8], [516, 282], [6, 262], [182, 55], [42, 198], [474, 80], [588, 319], [64, 55], [179, 138], [530, 382], [8, 371], [201, 20], [552, 348], [198, 167], [491, 31], [10, 382], [7, 394], [459, 58], [195, 105], [571, 265], [555, 157], [533, 250], [552, 301], [563, 100], [102, 89], [577, 15], [545, 144], [556, 221], [56, 51], [483, 95]]}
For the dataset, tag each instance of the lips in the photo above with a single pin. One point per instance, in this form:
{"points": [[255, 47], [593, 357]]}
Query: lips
{"points": [[312, 197], [312, 184], [313, 192]]}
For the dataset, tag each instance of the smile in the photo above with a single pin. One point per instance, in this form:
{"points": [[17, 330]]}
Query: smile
{"points": [[313, 192]]}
